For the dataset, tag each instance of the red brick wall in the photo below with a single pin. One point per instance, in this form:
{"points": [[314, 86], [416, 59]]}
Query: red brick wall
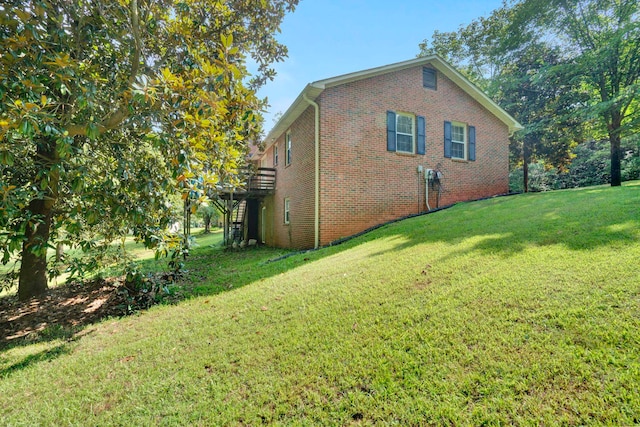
{"points": [[362, 184], [296, 182]]}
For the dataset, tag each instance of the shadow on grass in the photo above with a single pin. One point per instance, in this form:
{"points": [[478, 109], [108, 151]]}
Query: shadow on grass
{"points": [[577, 220], [43, 356]]}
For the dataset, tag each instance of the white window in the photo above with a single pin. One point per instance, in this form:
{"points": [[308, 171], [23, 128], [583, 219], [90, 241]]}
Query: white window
{"points": [[287, 143], [405, 129], [275, 155], [286, 211], [458, 140]]}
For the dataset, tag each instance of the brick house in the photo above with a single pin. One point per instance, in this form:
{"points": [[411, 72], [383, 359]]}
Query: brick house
{"points": [[364, 148]]}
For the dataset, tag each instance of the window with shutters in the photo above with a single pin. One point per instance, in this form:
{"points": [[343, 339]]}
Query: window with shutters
{"points": [[287, 144], [429, 78], [458, 140], [405, 133]]}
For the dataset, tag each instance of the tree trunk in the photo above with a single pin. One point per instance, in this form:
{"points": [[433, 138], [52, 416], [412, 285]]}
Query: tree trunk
{"points": [[207, 223], [33, 269], [613, 118], [186, 226], [32, 279], [526, 158], [59, 252], [616, 175]]}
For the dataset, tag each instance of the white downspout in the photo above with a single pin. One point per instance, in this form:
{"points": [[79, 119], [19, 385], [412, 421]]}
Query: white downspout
{"points": [[426, 186], [316, 224]]}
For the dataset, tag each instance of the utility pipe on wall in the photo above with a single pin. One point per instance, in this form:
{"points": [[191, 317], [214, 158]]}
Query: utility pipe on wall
{"points": [[420, 171], [427, 175], [316, 224]]}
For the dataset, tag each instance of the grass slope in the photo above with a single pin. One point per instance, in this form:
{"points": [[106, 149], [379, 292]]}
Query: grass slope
{"points": [[522, 310]]}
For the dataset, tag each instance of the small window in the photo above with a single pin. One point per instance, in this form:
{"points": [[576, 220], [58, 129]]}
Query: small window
{"points": [[429, 78], [275, 155], [458, 140], [287, 143], [286, 211], [404, 133]]}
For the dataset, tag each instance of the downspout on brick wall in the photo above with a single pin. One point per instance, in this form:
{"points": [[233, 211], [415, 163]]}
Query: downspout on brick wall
{"points": [[316, 224]]}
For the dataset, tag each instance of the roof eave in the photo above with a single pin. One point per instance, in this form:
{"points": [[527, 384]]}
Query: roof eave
{"points": [[313, 90], [477, 94]]}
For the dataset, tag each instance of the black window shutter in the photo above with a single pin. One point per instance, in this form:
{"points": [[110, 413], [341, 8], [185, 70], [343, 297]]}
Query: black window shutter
{"points": [[472, 142], [391, 131], [421, 145], [447, 139]]}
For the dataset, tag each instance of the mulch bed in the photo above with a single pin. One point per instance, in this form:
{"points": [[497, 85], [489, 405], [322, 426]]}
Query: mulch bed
{"points": [[69, 306]]}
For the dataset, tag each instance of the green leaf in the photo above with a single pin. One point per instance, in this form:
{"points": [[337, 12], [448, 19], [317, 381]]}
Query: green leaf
{"points": [[6, 158], [26, 128], [77, 184], [92, 131], [227, 40]]}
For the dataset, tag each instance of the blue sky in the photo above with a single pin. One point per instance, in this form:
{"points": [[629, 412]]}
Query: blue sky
{"points": [[327, 38]]}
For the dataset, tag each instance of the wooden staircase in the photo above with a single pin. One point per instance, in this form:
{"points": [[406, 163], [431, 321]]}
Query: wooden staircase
{"points": [[237, 224], [232, 201]]}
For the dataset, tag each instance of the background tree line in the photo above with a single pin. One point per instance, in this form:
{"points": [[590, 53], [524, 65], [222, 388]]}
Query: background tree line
{"points": [[590, 165], [569, 72]]}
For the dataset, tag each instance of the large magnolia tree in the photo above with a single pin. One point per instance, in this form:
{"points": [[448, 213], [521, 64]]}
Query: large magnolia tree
{"points": [[108, 106]]}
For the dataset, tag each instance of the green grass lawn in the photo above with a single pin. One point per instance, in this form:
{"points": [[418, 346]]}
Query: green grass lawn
{"points": [[520, 310]]}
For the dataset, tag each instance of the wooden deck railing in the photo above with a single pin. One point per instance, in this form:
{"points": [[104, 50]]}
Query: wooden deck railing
{"points": [[257, 182], [263, 179]]}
